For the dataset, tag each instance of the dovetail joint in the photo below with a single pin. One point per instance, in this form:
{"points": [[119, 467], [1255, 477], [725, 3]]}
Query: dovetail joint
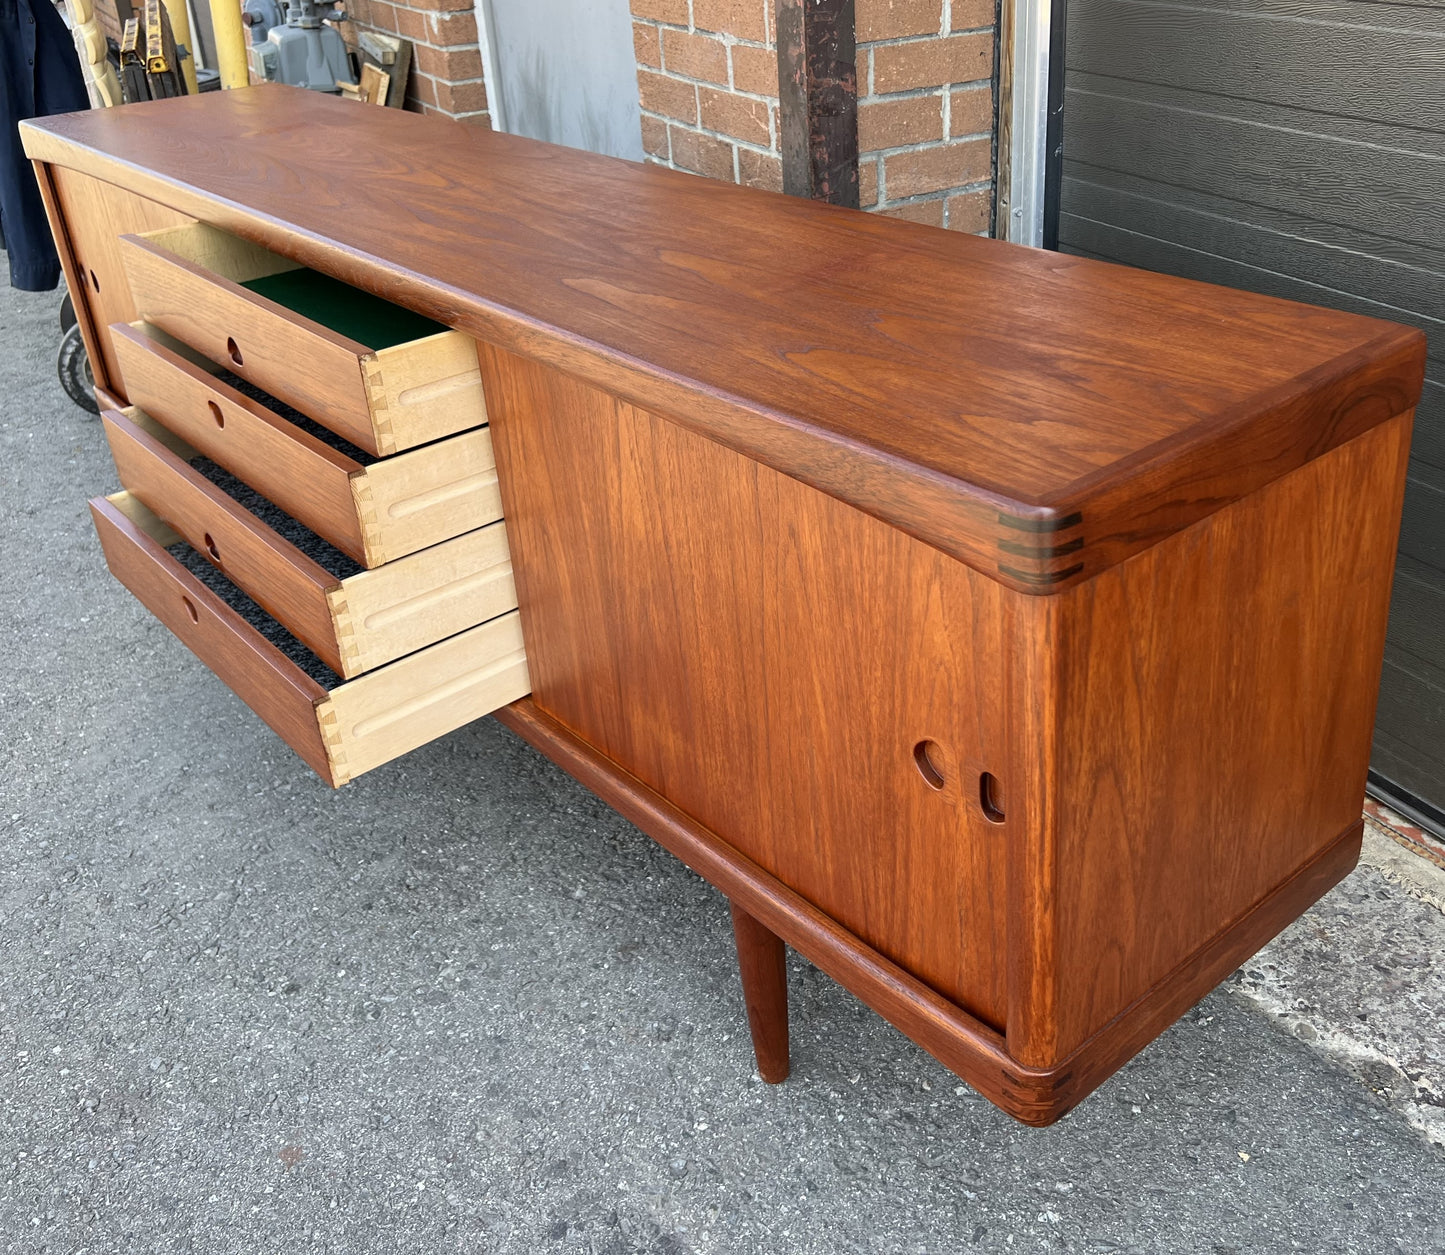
{"points": [[377, 402], [332, 740], [365, 506], [345, 628]]}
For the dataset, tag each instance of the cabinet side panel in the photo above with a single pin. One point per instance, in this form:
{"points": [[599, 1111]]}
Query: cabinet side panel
{"points": [[770, 661], [1215, 703], [96, 214]]}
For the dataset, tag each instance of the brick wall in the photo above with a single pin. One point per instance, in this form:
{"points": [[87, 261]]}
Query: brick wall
{"points": [[707, 80], [925, 110], [446, 67]]}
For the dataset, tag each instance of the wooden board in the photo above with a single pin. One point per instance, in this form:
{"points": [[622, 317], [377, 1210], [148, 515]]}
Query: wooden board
{"points": [[353, 623], [426, 495], [94, 215], [394, 609], [355, 727], [249, 665], [1209, 731], [306, 477], [188, 282], [426, 389], [1016, 409], [185, 283], [391, 712], [288, 585], [769, 660], [374, 512]]}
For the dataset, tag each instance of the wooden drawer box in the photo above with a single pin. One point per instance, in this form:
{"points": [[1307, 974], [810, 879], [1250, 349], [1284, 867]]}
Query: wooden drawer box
{"points": [[374, 510], [354, 620], [341, 730], [408, 382]]}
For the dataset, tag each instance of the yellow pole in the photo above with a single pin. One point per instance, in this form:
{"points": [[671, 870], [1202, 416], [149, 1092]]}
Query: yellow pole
{"points": [[181, 31], [230, 43]]}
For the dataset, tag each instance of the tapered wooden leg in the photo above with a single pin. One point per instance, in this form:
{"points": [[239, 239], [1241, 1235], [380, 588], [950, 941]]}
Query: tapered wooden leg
{"points": [[765, 990]]}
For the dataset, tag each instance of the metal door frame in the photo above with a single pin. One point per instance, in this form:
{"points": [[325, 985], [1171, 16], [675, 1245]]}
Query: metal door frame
{"points": [[1030, 121]]}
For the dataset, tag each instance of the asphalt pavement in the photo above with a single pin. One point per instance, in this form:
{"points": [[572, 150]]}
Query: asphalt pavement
{"points": [[460, 1005]]}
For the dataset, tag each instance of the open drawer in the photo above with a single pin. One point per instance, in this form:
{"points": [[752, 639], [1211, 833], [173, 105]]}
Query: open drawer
{"points": [[353, 619], [385, 378], [373, 509], [341, 730]]}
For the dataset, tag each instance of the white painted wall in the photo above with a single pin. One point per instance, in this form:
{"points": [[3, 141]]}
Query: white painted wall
{"points": [[564, 71]]}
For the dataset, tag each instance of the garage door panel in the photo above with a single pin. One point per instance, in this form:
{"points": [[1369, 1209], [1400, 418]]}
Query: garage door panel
{"points": [[1295, 148], [1335, 244], [1274, 161], [1213, 256], [1270, 53], [1422, 529], [1412, 713], [1389, 286], [1417, 609]]}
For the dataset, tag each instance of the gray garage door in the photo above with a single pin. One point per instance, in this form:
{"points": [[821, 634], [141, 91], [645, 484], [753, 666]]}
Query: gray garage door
{"points": [[1295, 148]]}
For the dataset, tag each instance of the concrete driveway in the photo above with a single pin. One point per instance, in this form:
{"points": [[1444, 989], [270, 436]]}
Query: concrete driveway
{"points": [[461, 1006]]}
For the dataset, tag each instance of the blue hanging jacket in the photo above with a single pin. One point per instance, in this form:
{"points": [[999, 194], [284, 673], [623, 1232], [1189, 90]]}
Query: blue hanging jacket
{"points": [[39, 75]]}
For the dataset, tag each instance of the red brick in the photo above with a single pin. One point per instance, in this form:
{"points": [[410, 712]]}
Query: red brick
{"points": [[462, 97], [451, 29], [928, 212], [970, 112], [455, 64], [670, 97], [972, 14], [695, 56], [446, 6], [932, 63], [645, 46], [867, 183], [382, 17], [702, 154], [895, 123], [936, 169], [420, 87], [412, 25], [760, 170], [654, 136], [739, 116], [893, 19], [483, 119], [755, 70], [674, 11], [970, 212], [743, 19]]}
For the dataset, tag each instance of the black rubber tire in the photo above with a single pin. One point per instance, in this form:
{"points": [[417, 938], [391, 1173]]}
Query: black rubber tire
{"points": [[73, 366]]}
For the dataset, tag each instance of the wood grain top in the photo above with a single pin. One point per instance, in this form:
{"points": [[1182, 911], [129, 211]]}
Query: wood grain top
{"points": [[1036, 415]]}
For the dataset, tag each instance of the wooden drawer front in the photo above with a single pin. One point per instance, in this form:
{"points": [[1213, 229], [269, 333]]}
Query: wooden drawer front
{"points": [[342, 732], [351, 621], [375, 511], [188, 280]]}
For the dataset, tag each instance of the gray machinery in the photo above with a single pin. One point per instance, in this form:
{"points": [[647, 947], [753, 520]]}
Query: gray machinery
{"points": [[303, 51], [259, 16]]}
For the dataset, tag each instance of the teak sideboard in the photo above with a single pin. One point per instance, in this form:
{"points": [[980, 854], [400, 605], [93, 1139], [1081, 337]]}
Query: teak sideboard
{"points": [[1000, 629]]}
